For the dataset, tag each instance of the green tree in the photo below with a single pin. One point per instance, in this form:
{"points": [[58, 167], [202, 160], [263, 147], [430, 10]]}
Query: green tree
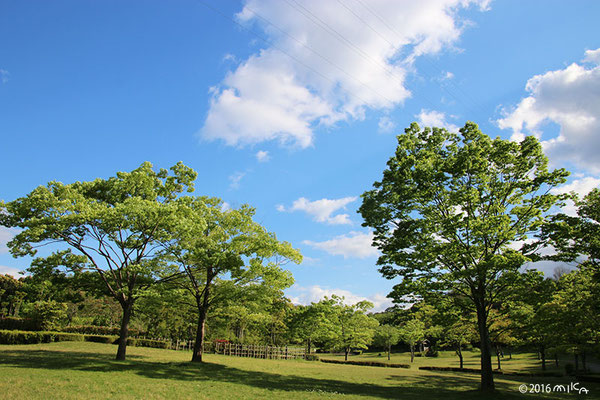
{"points": [[210, 242], [112, 224], [12, 294], [387, 336], [447, 210], [352, 328], [412, 332]]}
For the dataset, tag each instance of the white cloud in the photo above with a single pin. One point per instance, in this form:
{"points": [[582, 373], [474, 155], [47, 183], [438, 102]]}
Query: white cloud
{"points": [[314, 294], [592, 56], [432, 118], [14, 272], [263, 156], [235, 179], [324, 62], [581, 187], [6, 235], [570, 98], [322, 210], [355, 244], [386, 125]]}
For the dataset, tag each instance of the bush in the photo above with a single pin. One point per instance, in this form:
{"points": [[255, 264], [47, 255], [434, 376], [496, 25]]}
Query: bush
{"points": [[18, 324], [47, 315], [98, 330], [157, 344], [311, 357], [28, 337], [432, 353], [100, 339], [367, 363]]}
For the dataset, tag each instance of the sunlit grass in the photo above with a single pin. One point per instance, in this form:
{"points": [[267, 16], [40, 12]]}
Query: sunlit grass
{"points": [[68, 370]]}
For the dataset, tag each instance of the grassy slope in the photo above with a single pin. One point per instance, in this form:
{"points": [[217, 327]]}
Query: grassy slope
{"points": [[87, 370]]}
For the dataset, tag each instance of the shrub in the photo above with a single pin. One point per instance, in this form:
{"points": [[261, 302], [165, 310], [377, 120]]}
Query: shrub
{"points": [[100, 338], [98, 330], [367, 363], [311, 357], [18, 324], [28, 337], [432, 353], [47, 315]]}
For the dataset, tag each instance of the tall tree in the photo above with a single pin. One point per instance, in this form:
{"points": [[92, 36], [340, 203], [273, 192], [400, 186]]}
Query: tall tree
{"points": [[412, 332], [211, 243], [448, 209], [113, 225]]}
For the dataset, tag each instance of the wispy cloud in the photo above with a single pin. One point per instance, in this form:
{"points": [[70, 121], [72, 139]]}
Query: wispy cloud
{"points": [[262, 156], [235, 180], [316, 293], [322, 210], [352, 245]]}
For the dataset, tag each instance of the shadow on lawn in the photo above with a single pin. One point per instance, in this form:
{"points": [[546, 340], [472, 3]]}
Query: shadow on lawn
{"points": [[423, 386]]}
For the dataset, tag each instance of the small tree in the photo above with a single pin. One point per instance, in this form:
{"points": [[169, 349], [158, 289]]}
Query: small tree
{"points": [[387, 336], [412, 333]]}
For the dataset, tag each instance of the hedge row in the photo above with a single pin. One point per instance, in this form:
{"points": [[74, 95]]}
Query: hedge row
{"points": [[98, 330], [26, 337], [477, 371], [367, 363], [18, 324]]}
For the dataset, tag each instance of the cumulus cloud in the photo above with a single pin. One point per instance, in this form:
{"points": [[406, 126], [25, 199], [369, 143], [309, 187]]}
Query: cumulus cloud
{"points": [[322, 210], [581, 187], [314, 294], [324, 62], [263, 156], [570, 98], [436, 119], [354, 244]]}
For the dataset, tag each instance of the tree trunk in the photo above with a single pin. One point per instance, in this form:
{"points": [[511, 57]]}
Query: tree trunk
{"points": [[460, 356], [556, 359], [389, 351], [309, 345], [412, 352], [498, 356], [127, 306], [346, 351], [543, 354], [199, 342], [487, 376]]}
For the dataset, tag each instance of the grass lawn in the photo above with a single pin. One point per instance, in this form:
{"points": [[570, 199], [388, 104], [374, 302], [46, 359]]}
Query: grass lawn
{"points": [[87, 370]]}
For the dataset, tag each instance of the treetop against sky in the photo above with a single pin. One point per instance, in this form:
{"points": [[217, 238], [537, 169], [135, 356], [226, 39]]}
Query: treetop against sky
{"points": [[290, 106]]}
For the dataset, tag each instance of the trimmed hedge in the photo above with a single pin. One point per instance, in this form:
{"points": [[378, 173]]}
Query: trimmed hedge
{"points": [[311, 357], [98, 330], [18, 324], [499, 372], [28, 337], [367, 363]]}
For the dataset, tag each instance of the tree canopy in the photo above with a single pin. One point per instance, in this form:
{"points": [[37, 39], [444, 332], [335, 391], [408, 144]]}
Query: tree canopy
{"points": [[450, 211]]}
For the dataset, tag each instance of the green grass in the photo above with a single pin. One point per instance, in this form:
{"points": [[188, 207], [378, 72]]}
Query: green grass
{"points": [[519, 362], [69, 370]]}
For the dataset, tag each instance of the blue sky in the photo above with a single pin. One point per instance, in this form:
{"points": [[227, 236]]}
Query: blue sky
{"points": [[291, 106]]}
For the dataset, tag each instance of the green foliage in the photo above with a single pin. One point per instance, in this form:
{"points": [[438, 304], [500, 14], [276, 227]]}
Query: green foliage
{"points": [[18, 324], [47, 315], [12, 294], [113, 225], [448, 209], [25, 337]]}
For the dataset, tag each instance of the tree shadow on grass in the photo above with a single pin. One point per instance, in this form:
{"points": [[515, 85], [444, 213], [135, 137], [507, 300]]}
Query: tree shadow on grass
{"points": [[433, 386]]}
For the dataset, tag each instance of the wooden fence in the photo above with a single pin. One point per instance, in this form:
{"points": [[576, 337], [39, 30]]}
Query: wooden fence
{"points": [[258, 351]]}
